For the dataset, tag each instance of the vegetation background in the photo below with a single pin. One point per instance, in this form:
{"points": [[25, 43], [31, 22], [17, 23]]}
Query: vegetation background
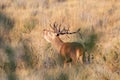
{"points": [[25, 55]]}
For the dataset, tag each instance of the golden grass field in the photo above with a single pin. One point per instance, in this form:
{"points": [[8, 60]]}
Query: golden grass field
{"points": [[25, 55]]}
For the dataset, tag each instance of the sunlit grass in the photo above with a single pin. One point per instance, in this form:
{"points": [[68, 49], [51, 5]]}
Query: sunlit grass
{"points": [[25, 55]]}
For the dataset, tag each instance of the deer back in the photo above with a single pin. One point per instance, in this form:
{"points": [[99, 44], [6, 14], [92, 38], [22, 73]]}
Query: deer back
{"points": [[71, 50]]}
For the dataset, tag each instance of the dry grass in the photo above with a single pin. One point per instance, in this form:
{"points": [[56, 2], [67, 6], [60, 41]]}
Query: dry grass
{"points": [[25, 55]]}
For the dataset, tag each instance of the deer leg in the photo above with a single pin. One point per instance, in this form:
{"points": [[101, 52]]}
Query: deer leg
{"points": [[74, 60], [67, 61], [81, 59]]}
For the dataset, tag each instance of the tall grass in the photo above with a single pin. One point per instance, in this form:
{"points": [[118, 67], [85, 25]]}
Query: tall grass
{"points": [[25, 55]]}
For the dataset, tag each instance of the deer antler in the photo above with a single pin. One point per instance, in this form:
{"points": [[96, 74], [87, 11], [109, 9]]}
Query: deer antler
{"points": [[57, 29]]}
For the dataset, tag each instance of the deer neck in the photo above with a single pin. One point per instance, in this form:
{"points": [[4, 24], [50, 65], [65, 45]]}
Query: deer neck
{"points": [[57, 43]]}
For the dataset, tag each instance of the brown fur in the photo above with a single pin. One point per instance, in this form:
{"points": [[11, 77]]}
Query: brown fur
{"points": [[73, 51]]}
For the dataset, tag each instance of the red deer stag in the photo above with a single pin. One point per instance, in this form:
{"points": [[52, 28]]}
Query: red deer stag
{"points": [[70, 51]]}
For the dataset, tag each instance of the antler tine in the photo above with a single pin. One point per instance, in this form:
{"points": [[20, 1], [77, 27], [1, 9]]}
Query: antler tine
{"points": [[66, 32], [54, 27], [78, 30], [67, 29], [75, 31], [59, 28], [51, 26], [63, 29]]}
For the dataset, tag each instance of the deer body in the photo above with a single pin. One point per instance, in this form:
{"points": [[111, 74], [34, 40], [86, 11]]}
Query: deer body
{"points": [[73, 51], [70, 51]]}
